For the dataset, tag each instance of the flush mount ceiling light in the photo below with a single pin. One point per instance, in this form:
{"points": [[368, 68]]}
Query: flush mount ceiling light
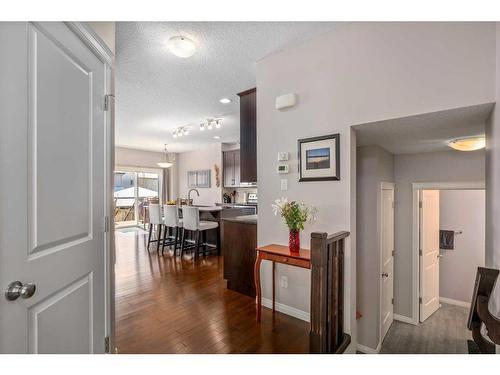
{"points": [[181, 46], [468, 143], [167, 162], [225, 100]]}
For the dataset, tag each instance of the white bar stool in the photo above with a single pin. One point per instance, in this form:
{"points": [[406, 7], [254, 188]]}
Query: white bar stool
{"points": [[191, 222], [171, 220], [155, 219]]}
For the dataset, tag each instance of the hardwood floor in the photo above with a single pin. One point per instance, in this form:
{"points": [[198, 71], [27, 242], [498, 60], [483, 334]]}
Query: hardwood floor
{"points": [[168, 305], [445, 332]]}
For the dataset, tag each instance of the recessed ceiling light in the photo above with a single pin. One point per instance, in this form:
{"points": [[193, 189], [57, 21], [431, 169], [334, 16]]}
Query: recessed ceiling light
{"points": [[181, 46], [468, 144], [225, 100], [216, 136]]}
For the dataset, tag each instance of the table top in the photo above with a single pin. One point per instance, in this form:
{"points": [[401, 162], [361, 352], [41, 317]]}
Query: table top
{"points": [[285, 251]]}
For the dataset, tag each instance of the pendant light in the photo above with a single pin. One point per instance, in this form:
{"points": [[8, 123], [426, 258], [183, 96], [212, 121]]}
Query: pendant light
{"points": [[166, 163]]}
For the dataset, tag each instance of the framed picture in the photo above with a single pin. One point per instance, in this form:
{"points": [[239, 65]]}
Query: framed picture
{"points": [[319, 158]]}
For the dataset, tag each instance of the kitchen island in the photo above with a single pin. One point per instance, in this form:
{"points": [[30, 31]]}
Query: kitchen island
{"points": [[239, 241]]}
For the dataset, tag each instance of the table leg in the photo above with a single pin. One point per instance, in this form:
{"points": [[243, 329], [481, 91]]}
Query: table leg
{"points": [[257, 286], [274, 287]]}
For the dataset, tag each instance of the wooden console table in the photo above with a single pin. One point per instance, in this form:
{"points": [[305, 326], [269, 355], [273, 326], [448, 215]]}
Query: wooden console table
{"points": [[277, 254]]}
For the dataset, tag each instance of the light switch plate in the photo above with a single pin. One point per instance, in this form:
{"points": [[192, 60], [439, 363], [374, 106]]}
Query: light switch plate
{"points": [[284, 184], [283, 156], [283, 168]]}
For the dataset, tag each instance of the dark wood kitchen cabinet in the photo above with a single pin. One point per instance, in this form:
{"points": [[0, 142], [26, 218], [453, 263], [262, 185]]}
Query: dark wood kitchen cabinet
{"points": [[248, 135]]}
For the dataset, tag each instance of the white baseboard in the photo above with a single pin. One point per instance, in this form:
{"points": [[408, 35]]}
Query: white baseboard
{"points": [[404, 319], [288, 310], [368, 350], [454, 302]]}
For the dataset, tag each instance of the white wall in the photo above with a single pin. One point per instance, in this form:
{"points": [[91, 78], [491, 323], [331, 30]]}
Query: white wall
{"points": [[461, 210], [374, 165], [201, 159], [358, 73], [493, 185], [448, 166]]}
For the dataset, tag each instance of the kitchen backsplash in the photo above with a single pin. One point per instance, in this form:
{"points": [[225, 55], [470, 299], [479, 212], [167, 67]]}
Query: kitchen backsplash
{"points": [[240, 193]]}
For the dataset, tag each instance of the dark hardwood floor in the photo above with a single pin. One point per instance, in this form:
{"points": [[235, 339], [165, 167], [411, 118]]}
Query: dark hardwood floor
{"points": [[168, 305]]}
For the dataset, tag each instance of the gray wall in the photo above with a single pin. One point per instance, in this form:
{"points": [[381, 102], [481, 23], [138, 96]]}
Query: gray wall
{"points": [[358, 73], [493, 184], [448, 166], [462, 210], [374, 165]]}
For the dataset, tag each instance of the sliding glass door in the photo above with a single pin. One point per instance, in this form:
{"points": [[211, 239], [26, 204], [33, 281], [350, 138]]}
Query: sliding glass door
{"points": [[134, 189]]}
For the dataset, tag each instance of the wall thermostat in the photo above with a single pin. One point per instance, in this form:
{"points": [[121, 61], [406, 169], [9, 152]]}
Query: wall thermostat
{"points": [[283, 156], [283, 168]]}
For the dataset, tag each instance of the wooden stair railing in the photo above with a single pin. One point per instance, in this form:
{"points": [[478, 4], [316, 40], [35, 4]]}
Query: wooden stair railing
{"points": [[479, 313], [327, 294]]}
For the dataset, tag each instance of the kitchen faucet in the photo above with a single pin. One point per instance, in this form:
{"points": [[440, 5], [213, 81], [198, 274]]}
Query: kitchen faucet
{"points": [[190, 201]]}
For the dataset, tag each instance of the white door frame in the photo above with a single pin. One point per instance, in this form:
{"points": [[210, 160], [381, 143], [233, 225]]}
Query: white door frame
{"points": [[383, 186], [416, 187], [103, 53]]}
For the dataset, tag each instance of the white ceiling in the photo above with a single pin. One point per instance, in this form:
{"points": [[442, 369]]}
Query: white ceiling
{"points": [[156, 92], [428, 132]]}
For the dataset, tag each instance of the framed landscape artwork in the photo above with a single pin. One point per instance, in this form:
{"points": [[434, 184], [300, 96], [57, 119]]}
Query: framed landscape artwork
{"points": [[319, 158]]}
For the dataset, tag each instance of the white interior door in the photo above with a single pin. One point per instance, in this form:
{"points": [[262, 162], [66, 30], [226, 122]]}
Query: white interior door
{"points": [[52, 190], [387, 259], [429, 253]]}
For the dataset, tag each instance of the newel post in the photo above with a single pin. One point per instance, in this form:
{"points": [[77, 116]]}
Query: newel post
{"points": [[327, 293]]}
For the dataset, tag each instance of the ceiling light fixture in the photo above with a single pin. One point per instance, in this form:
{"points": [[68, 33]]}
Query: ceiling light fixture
{"points": [[225, 100], [166, 163], [217, 137], [202, 127], [468, 143], [181, 46], [185, 131], [209, 126], [218, 124]]}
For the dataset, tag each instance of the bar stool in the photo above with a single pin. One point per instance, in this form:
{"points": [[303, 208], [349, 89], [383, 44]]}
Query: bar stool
{"points": [[155, 219], [172, 220], [191, 222]]}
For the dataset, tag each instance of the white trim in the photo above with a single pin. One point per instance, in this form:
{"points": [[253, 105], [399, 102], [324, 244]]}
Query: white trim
{"points": [[288, 310], [416, 187], [92, 40], [384, 186], [368, 350], [455, 302], [404, 319]]}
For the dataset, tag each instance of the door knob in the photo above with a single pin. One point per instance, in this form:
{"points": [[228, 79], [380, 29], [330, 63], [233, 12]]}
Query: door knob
{"points": [[385, 274], [17, 289]]}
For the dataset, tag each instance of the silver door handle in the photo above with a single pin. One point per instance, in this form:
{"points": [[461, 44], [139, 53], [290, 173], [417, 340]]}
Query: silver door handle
{"points": [[17, 289], [385, 274]]}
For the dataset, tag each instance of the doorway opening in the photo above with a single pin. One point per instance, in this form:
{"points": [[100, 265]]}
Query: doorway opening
{"points": [[448, 244]]}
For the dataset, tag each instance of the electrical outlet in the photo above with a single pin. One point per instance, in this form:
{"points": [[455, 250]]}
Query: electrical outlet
{"points": [[284, 282], [284, 184]]}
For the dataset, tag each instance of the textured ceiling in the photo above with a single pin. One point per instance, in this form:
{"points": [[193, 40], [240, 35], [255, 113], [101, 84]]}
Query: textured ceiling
{"points": [[424, 133], [156, 92]]}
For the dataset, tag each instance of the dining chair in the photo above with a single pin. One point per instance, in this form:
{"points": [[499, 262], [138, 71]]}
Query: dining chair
{"points": [[191, 222], [155, 218], [172, 221]]}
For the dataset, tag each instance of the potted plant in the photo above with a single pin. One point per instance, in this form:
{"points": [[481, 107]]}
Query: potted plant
{"points": [[295, 215]]}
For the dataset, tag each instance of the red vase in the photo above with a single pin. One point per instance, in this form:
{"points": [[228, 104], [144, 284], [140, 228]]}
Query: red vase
{"points": [[294, 241]]}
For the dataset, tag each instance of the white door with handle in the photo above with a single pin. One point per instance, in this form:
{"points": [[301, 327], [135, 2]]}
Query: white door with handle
{"points": [[429, 253], [387, 258], [52, 190]]}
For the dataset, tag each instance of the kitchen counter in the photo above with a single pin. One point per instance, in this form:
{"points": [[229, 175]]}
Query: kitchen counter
{"points": [[245, 219], [236, 204]]}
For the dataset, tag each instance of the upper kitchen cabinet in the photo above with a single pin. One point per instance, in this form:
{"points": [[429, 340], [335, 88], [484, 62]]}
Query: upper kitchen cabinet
{"points": [[248, 135], [231, 168]]}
